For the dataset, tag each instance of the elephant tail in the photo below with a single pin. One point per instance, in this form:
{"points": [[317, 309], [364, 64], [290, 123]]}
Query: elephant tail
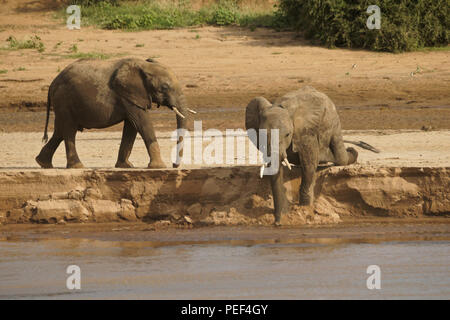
{"points": [[45, 138], [363, 145]]}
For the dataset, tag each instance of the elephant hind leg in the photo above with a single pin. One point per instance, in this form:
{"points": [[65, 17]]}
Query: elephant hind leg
{"points": [[326, 155], [69, 133], [341, 155], [44, 158], [128, 137]]}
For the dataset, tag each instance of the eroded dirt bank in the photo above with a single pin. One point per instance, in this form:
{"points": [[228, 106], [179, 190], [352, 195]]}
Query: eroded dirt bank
{"points": [[217, 196]]}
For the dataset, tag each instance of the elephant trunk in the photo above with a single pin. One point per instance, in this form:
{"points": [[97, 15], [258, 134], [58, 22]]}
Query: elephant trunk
{"points": [[181, 127]]}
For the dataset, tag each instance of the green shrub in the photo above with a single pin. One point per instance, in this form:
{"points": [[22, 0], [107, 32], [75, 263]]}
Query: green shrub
{"points": [[405, 24], [88, 3], [33, 43], [225, 13], [125, 21], [149, 14]]}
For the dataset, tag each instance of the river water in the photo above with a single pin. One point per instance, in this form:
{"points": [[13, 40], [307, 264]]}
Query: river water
{"points": [[294, 269]]}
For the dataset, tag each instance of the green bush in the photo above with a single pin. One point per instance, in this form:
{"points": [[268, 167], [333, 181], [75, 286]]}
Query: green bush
{"points": [[225, 13], [34, 42], [87, 3], [150, 14], [405, 24]]}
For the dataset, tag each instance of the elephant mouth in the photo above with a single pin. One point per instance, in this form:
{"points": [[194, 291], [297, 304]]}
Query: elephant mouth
{"points": [[285, 162], [177, 112]]}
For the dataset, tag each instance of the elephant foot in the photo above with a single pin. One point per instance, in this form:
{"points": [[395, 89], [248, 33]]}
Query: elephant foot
{"points": [[157, 165], [124, 164], [43, 164], [277, 224], [305, 200], [352, 155], [76, 165]]}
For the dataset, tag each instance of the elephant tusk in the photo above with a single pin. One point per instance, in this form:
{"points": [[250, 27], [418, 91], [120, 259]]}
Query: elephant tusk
{"points": [[286, 163], [192, 111], [261, 171], [178, 112]]}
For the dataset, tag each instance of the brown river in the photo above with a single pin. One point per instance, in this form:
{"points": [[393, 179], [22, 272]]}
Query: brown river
{"points": [[227, 263]]}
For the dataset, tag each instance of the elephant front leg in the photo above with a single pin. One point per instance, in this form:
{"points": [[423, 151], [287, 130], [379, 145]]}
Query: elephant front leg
{"points": [[309, 160], [143, 124], [280, 201], [155, 156], [128, 137]]}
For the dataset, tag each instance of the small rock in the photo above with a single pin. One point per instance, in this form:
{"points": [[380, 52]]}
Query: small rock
{"points": [[188, 219], [128, 211], [105, 210], [61, 222], [426, 128], [162, 223], [53, 211]]}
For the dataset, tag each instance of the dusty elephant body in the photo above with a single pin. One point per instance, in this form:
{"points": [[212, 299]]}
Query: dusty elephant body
{"points": [[309, 134], [98, 94]]}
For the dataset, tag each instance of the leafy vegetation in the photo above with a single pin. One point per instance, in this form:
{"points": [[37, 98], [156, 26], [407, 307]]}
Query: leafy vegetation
{"points": [[90, 55], [34, 42], [405, 25], [148, 14]]}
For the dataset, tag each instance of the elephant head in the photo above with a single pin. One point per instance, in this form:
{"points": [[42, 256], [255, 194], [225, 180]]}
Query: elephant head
{"points": [[261, 114], [142, 83]]}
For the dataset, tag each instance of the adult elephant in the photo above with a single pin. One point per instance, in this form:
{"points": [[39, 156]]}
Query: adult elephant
{"points": [[98, 94], [309, 134]]}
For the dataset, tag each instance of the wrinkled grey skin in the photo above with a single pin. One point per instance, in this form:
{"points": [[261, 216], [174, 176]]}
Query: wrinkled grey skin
{"points": [[98, 94], [309, 134]]}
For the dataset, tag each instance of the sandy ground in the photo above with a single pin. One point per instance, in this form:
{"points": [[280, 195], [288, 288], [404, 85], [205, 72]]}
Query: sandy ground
{"points": [[226, 67], [400, 148]]}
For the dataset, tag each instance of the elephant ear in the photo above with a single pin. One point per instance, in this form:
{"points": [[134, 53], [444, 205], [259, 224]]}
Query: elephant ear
{"points": [[307, 120], [253, 114], [298, 130], [128, 82]]}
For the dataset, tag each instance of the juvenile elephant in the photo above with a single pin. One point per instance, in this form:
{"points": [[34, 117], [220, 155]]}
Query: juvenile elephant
{"points": [[309, 133], [98, 94]]}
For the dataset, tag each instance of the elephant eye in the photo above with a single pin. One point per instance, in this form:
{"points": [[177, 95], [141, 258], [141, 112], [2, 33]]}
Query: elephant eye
{"points": [[165, 86], [287, 135]]}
